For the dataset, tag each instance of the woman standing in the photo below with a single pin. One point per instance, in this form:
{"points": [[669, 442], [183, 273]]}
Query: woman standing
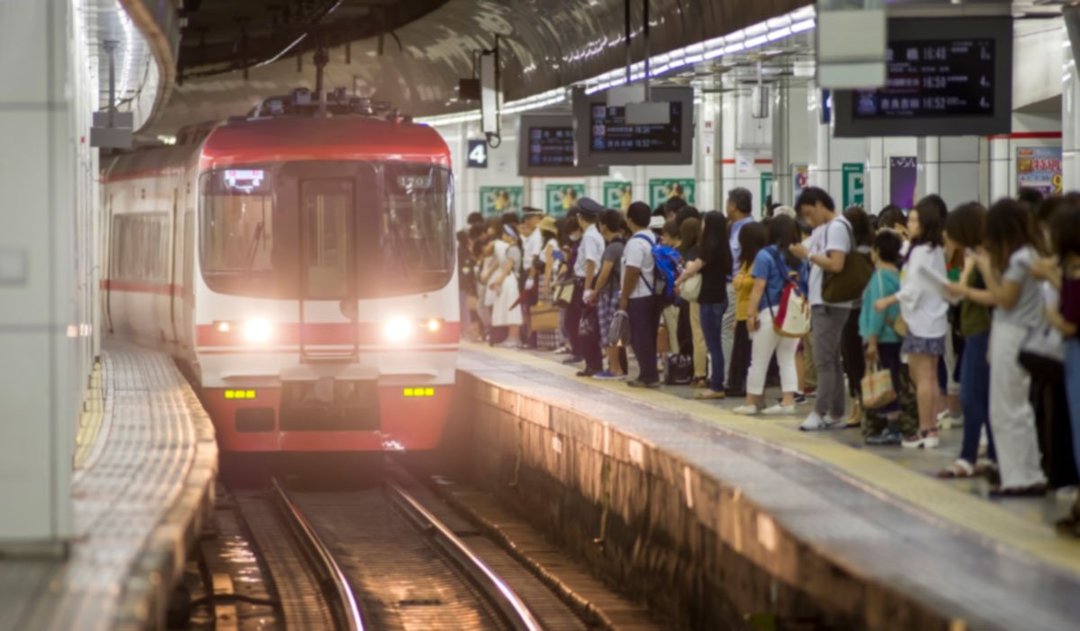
{"points": [[689, 237], [547, 264], [613, 229], [924, 310], [714, 265], [774, 267], [1013, 244], [851, 349], [753, 237], [503, 292]]}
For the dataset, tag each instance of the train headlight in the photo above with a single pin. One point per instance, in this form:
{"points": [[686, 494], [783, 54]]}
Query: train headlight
{"points": [[398, 329], [433, 325], [258, 331]]}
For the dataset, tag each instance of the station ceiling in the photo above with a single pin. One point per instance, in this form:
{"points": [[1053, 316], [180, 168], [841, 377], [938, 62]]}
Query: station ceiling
{"points": [[412, 52]]}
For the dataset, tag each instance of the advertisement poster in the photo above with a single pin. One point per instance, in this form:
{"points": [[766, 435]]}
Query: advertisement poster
{"points": [[559, 198], [496, 200], [903, 174], [854, 188], [617, 195], [1039, 168], [663, 189], [766, 190], [800, 176]]}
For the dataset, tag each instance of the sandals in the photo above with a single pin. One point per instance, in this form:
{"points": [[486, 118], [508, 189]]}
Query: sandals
{"points": [[959, 469], [709, 395]]}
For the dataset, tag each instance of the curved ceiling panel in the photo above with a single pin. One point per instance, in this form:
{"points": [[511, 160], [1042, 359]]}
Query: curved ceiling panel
{"points": [[543, 44]]}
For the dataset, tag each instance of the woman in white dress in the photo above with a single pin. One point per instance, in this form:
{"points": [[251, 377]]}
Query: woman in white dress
{"points": [[503, 291]]}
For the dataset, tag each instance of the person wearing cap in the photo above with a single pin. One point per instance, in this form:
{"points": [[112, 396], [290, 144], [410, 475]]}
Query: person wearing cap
{"points": [[637, 298], [582, 310]]}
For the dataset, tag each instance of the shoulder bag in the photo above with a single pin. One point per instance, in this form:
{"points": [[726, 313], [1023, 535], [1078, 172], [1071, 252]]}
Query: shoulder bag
{"points": [[792, 316], [847, 284]]}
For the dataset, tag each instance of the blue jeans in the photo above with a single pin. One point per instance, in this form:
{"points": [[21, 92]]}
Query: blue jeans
{"points": [[975, 396], [1072, 390], [644, 324], [712, 325]]}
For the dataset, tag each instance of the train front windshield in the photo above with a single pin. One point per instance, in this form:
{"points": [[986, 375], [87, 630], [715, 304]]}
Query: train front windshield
{"points": [[327, 230]]}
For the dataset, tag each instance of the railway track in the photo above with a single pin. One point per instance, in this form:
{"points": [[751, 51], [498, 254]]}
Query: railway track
{"points": [[382, 558]]}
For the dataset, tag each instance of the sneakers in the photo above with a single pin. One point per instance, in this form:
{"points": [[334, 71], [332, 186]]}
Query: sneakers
{"points": [[815, 423], [563, 350], [923, 440], [800, 398], [637, 383], [573, 359], [946, 420], [510, 344], [779, 410], [888, 437], [607, 375], [748, 409]]}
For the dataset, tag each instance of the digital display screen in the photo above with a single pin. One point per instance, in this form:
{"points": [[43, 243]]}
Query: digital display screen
{"points": [[943, 77], [551, 146], [933, 78], [609, 132], [245, 181]]}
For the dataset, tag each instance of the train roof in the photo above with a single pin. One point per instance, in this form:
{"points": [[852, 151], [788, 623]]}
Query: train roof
{"points": [[253, 141]]}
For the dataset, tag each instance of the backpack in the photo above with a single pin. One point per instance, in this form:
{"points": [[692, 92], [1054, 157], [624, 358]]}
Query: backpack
{"points": [[847, 284], [792, 316], [667, 266]]}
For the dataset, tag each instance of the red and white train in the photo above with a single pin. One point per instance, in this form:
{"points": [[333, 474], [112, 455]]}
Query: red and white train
{"points": [[300, 267]]}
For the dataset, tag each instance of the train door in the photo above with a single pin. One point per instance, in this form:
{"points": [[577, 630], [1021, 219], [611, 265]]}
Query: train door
{"points": [[327, 269]]}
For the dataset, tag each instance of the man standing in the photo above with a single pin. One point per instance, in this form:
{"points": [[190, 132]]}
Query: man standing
{"points": [[582, 310], [637, 299], [532, 243], [740, 206], [829, 246]]}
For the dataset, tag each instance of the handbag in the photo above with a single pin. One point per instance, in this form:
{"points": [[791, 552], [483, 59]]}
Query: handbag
{"points": [[619, 330], [678, 369], [691, 288], [543, 317], [1043, 354], [877, 388], [792, 316], [847, 284], [564, 294]]}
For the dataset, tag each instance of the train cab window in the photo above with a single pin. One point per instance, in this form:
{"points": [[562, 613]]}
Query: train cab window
{"points": [[416, 228], [238, 231]]}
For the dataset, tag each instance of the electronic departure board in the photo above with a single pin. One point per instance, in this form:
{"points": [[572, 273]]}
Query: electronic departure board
{"points": [[551, 146], [943, 77], [609, 131], [546, 145], [605, 138]]}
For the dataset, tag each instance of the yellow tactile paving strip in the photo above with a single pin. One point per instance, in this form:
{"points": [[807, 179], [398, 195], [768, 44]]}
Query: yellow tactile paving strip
{"points": [[927, 494], [90, 418]]}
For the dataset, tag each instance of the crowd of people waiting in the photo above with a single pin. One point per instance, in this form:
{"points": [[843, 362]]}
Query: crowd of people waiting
{"points": [[966, 317]]}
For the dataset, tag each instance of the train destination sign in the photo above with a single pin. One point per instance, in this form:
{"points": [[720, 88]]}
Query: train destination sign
{"points": [[609, 132], [551, 146], [944, 77], [936, 77]]}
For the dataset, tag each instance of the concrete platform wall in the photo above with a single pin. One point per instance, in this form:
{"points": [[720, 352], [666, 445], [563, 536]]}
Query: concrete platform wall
{"points": [[695, 548]]}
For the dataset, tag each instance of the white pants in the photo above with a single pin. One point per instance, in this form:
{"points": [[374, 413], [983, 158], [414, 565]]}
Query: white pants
{"points": [[1012, 418], [952, 386], [763, 343]]}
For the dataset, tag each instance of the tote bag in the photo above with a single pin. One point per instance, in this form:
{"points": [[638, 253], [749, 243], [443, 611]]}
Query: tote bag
{"points": [[792, 316], [877, 388], [691, 288]]}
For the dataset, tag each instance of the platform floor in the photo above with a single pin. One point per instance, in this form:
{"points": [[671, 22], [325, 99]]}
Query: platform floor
{"points": [[882, 509], [143, 484]]}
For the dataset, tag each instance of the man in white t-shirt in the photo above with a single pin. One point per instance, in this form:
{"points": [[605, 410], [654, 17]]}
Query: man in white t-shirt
{"points": [[637, 298], [827, 249], [582, 309], [532, 243]]}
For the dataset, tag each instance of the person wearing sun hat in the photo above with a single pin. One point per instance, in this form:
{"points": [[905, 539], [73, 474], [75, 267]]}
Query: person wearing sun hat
{"points": [[581, 318]]}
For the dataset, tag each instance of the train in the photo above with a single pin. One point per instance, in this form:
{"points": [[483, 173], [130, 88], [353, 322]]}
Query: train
{"points": [[298, 263]]}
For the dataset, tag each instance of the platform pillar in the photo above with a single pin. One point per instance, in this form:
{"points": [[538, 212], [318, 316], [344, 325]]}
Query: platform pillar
{"points": [[39, 354], [956, 168]]}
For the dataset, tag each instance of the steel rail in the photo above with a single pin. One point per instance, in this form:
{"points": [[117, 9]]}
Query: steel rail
{"points": [[513, 609], [352, 615]]}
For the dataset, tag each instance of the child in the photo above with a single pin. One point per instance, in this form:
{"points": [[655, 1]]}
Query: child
{"points": [[964, 229], [1013, 243], [612, 228], [1066, 230], [877, 328], [924, 311]]}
